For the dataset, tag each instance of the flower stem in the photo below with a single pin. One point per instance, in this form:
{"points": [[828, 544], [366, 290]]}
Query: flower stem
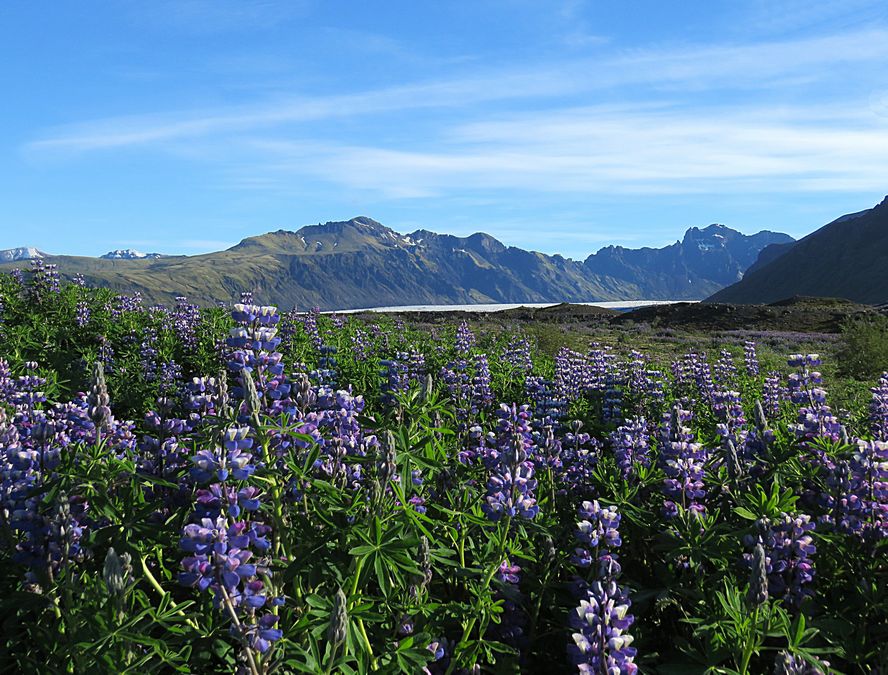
{"points": [[153, 581]]}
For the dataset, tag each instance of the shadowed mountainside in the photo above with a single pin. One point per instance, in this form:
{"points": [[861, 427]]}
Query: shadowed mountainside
{"points": [[847, 258]]}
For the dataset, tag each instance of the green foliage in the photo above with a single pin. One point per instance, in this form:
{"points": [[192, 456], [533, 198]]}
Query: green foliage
{"points": [[686, 576], [864, 349]]}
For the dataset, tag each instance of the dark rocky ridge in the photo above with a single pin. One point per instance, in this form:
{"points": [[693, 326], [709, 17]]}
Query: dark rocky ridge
{"points": [[847, 258]]}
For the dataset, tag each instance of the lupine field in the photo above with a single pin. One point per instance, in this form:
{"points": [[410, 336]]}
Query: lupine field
{"points": [[237, 489]]}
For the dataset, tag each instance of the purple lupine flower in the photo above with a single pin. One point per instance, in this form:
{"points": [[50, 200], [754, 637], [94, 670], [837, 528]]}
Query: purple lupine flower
{"points": [[226, 555], [612, 405], [360, 344], [481, 393], [186, 318], [693, 374], [325, 374], [725, 371], [879, 409], [788, 664], [254, 341], [750, 358], [106, 353], [580, 453], [309, 322], [395, 377], [516, 356], [598, 535], [81, 314], [788, 547], [601, 643], [631, 443], [574, 374], [44, 280], [773, 393], [683, 462], [861, 486], [468, 383], [644, 386], [815, 418], [511, 484], [548, 408], [465, 339]]}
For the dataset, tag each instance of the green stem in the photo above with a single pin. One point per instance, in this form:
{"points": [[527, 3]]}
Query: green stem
{"points": [[237, 624], [749, 647], [153, 581], [333, 654]]}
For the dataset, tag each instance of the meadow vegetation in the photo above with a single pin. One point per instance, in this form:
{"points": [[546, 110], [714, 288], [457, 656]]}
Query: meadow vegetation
{"points": [[236, 489]]}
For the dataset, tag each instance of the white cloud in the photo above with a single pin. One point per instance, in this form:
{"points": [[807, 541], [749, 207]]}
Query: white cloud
{"points": [[607, 150], [627, 74]]}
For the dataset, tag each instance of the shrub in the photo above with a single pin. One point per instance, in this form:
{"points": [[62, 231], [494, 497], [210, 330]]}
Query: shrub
{"points": [[863, 350]]}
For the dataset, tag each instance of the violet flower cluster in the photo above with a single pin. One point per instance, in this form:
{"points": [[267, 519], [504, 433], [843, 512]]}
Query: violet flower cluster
{"points": [[861, 507], [255, 340], [879, 409], [600, 643], [815, 418], [630, 444], [597, 534], [226, 545], [517, 357], [683, 461], [750, 359], [511, 485], [789, 547]]}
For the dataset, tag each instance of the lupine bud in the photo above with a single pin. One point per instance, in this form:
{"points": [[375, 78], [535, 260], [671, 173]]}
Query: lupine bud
{"points": [[251, 396], [99, 410], [425, 561], [758, 579], [735, 469], [758, 416], [386, 465], [117, 572], [338, 619], [224, 401], [428, 388]]}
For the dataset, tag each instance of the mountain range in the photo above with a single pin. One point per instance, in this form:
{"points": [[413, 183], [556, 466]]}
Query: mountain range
{"points": [[362, 263], [129, 254], [847, 258]]}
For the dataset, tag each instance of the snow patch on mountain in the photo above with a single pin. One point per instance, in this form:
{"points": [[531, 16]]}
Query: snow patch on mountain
{"points": [[20, 253]]}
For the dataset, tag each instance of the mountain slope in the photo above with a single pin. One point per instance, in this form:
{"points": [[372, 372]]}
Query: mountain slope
{"points": [[847, 258], [701, 263], [361, 263]]}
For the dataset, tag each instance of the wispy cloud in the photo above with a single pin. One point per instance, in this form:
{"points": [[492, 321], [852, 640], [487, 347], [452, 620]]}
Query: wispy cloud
{"points": [[674, 69], [145, 129], [605, 150]]}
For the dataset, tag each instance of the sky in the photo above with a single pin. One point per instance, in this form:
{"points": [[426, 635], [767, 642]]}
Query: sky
{"points": [[183, 126]]}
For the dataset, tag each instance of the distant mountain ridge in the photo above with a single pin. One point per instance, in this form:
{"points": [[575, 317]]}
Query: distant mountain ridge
{"points": [[846, 258], [362, 263], [701, 263], [129, 254]]}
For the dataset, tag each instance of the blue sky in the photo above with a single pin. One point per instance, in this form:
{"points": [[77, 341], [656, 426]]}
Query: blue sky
{"points": [[183, 126]]}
